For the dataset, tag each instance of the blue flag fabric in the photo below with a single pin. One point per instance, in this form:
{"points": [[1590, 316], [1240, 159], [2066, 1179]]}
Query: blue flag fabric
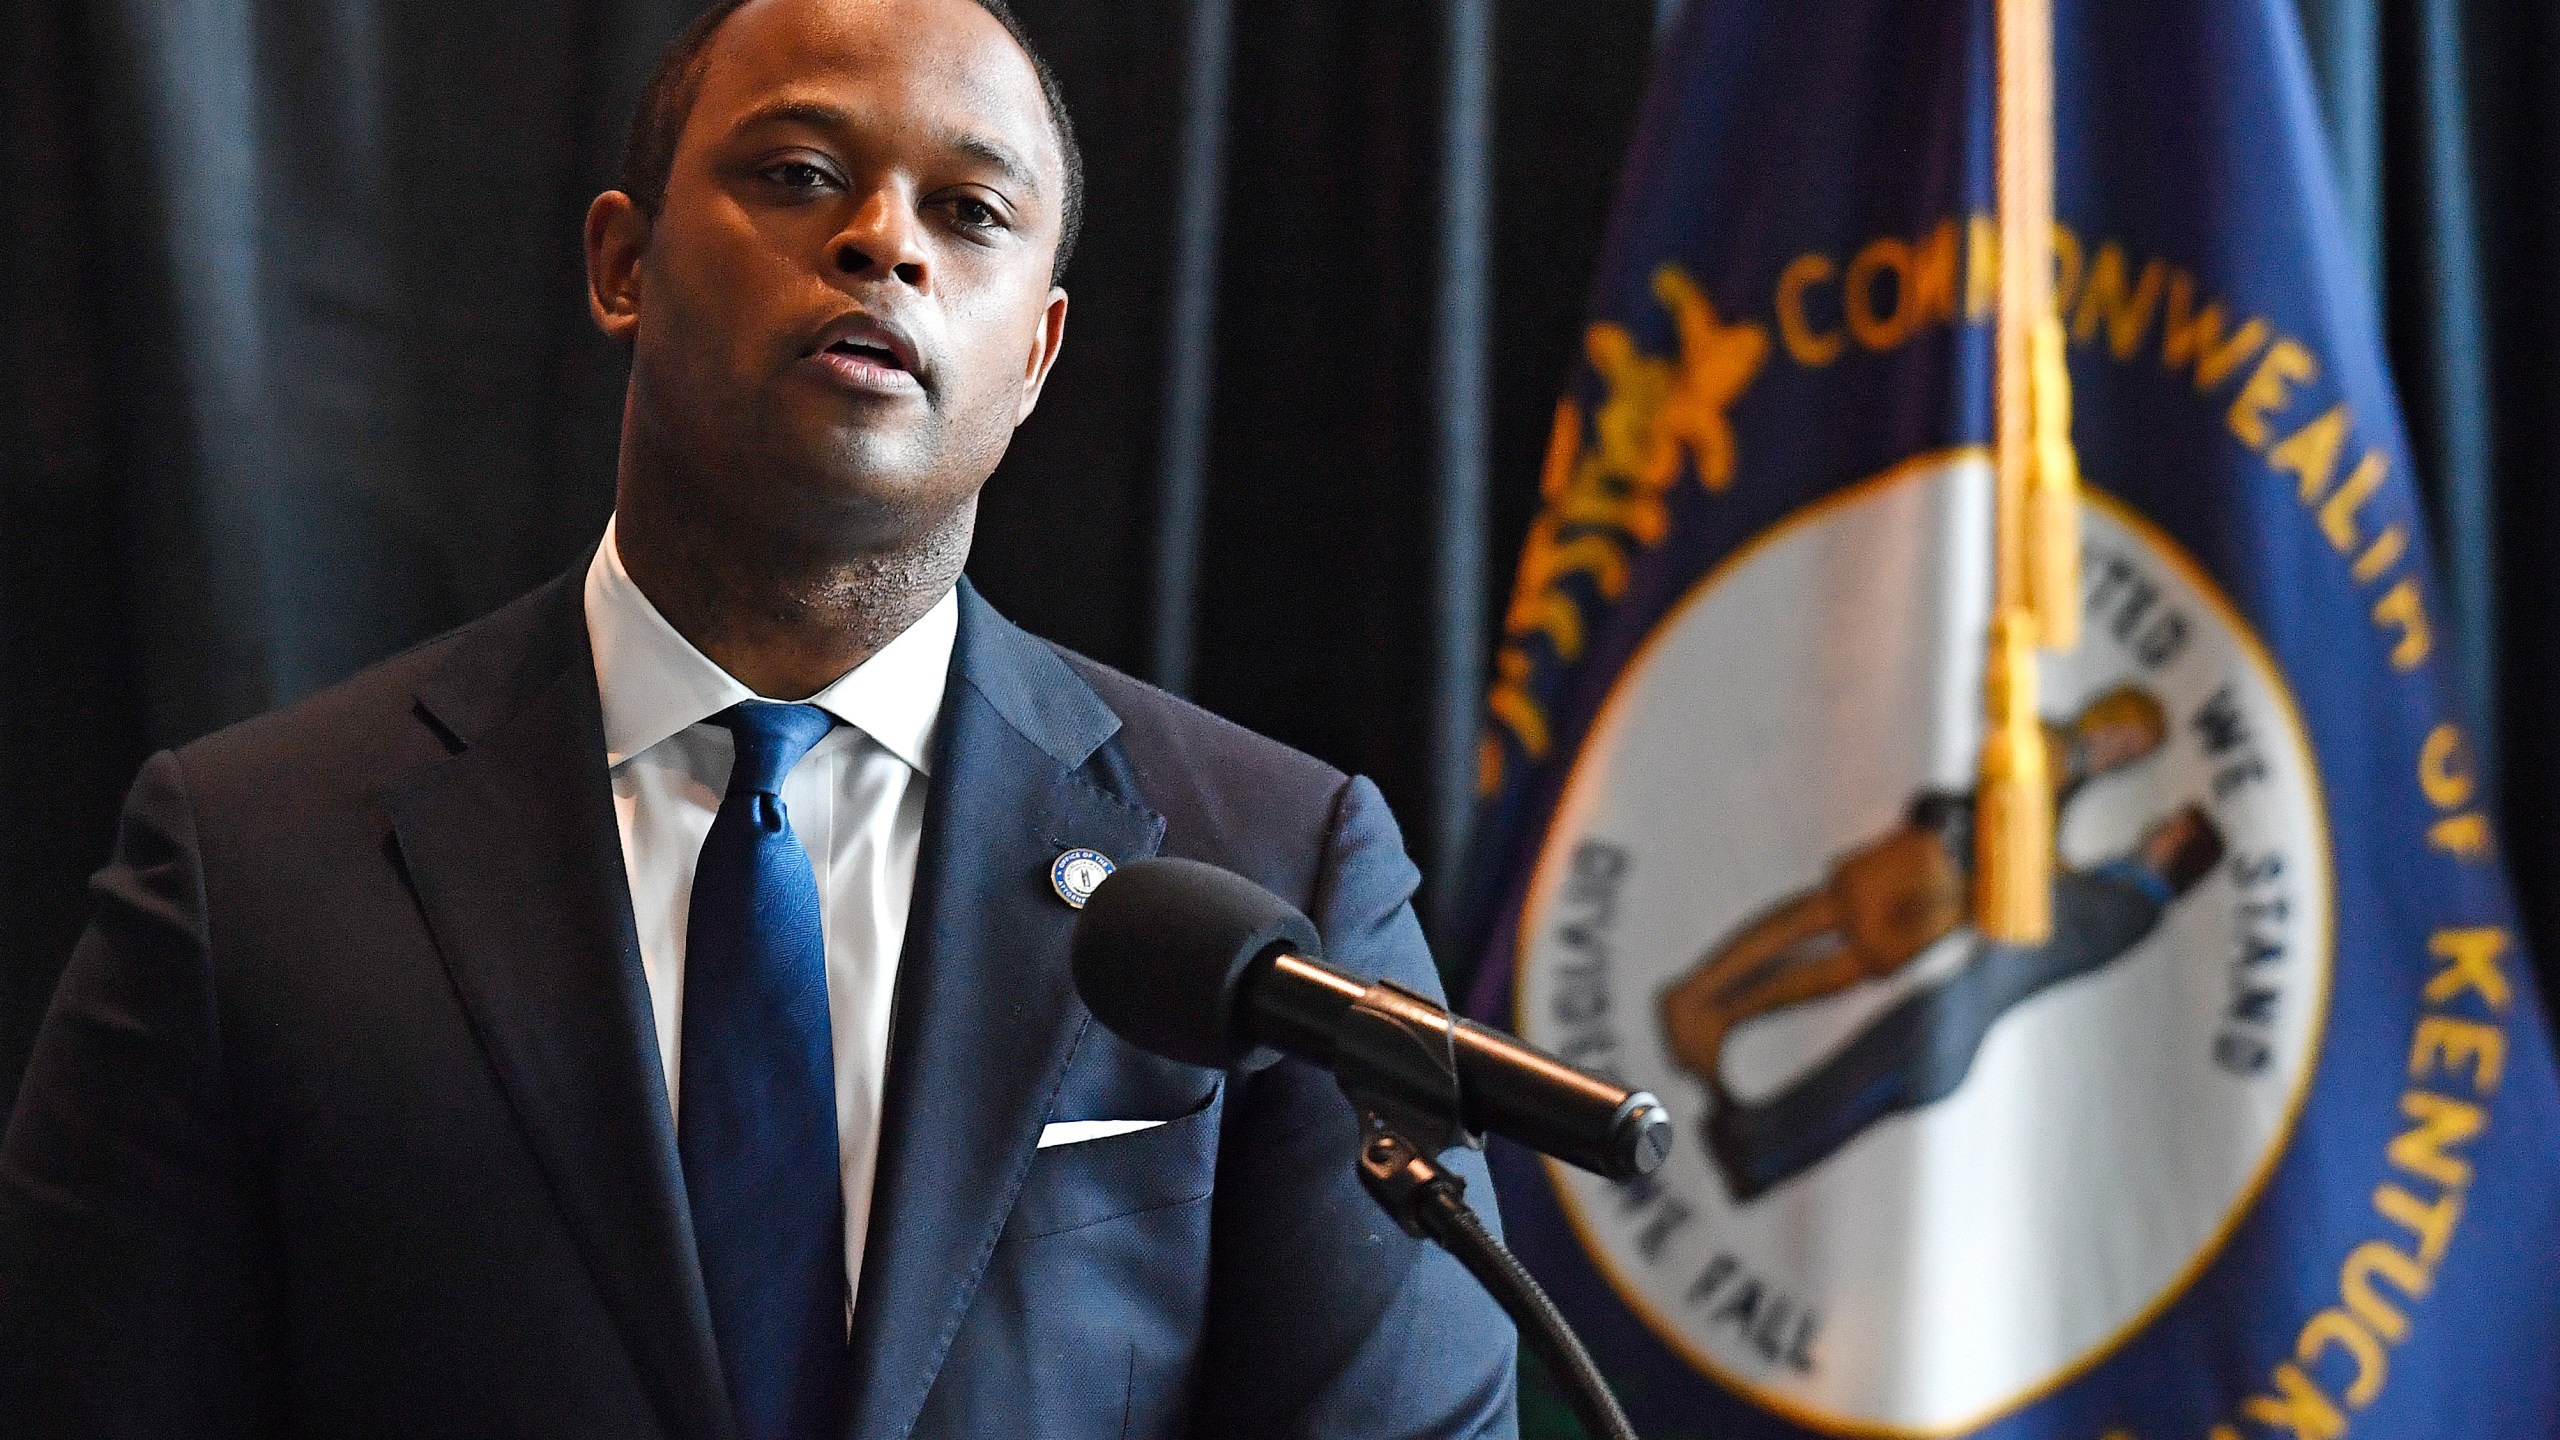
{"points": [[2265, 1141]]}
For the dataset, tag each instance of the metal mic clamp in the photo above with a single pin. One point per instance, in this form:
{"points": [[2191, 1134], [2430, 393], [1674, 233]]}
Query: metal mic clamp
{"points": [[1403, 1066]]}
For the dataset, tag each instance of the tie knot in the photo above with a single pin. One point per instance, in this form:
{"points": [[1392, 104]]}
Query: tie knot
{"points": [[771, 739]]}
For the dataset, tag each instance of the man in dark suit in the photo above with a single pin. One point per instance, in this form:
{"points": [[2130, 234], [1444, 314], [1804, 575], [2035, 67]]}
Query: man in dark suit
{"points": [[547, 1033]]}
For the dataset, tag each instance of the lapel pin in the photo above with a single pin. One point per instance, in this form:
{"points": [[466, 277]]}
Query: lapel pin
{"points": [[1077, 873]]}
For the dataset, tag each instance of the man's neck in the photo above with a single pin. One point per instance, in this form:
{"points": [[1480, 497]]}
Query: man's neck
{"points": [[786, 625]]}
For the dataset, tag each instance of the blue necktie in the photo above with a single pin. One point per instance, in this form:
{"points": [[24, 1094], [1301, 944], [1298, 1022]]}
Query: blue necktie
{"points": [[757, 1111]]}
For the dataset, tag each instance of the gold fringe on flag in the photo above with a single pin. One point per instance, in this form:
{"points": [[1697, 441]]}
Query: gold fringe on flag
{"points": [[2013, 797], [2036, 523]]}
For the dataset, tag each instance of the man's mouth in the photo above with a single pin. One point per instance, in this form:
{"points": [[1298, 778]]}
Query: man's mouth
{"points": [[868, 355], [881, 353]]}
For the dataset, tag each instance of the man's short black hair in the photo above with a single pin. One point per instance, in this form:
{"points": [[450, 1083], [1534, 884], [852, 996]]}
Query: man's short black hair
{"points": [[649, 155]]}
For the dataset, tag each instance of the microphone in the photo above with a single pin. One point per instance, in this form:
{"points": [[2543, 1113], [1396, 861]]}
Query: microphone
{"points": [[1196, 964]]}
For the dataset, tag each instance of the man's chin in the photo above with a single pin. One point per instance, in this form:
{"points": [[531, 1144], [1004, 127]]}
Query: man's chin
{"points": [[867, 497], [870, 469]]}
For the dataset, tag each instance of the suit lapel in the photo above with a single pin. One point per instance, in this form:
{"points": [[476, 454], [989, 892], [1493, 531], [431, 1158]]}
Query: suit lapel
{"points": [[513, 850], [987, 1015]]}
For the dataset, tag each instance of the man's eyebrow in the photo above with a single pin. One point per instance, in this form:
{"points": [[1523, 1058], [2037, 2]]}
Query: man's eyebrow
{"points": [[816, 114], [819, 115], [980, 148]]}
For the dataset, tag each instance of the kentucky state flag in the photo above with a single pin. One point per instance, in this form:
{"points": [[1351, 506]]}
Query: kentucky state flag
{"points": [[2265, 1140]]}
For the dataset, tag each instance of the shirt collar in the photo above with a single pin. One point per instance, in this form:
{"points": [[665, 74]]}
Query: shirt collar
{"points": [[653, 683]]}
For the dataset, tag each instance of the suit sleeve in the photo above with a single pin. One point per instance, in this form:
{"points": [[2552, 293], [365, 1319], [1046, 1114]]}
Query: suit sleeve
{"points": [[135, 1299], [1326, 1319]]}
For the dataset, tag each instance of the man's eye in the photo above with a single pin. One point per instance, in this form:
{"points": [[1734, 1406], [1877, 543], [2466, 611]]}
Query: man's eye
{"points": [[797, 175], [975, 214]]}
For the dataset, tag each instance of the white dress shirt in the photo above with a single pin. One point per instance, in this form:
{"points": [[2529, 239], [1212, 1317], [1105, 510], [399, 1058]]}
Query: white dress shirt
{"points": [[856, 802]]}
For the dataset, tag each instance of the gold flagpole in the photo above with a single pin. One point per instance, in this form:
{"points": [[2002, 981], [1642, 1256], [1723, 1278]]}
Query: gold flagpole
{"points": [[2036, 542]]}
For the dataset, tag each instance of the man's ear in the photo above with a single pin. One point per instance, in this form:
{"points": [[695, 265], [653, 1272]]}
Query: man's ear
{"points": [[1045, 345], [616, 235]]}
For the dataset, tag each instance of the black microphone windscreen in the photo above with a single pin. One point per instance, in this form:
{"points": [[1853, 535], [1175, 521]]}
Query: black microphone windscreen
{"points": [[1160, 953]]}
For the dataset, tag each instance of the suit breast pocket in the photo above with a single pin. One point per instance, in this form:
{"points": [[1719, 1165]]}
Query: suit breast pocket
{"points": [[1084, 1183], [1090, 1315]]}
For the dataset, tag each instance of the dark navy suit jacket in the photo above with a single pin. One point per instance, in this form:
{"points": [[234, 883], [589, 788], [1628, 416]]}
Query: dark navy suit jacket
{"points": [[348, 1120]]}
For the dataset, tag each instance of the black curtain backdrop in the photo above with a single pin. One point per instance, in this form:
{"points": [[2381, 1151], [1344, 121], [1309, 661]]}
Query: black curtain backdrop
{"points": [[295, 368]]}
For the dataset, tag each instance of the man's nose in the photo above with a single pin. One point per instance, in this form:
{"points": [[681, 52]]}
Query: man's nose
{"points": [[884, 240]]}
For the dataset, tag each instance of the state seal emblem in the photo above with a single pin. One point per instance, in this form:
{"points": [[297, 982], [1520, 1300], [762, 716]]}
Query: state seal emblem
{"points": [[1929, 1178]]}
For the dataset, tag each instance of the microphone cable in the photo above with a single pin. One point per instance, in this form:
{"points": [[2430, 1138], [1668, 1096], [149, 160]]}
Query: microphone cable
{"points": [[1446, 1217]]}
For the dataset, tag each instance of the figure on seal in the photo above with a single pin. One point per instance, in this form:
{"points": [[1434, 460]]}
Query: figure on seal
{"points": [[1885, 905]]}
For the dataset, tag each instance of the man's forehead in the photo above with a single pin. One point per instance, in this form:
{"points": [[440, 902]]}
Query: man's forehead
{"points": [[772, 53]]}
